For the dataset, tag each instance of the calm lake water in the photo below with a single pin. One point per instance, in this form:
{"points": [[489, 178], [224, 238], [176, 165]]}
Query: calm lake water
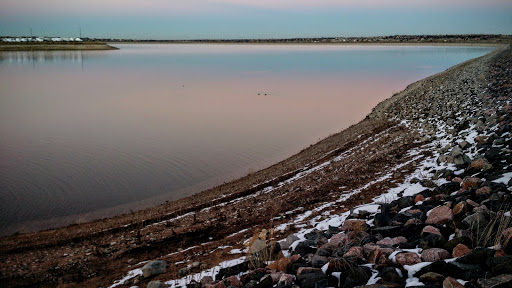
{"points": [[85, 135]]}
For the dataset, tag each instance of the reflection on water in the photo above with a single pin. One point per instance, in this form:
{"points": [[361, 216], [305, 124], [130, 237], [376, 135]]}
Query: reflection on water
{"points": [[30, 57], [148, 123]]}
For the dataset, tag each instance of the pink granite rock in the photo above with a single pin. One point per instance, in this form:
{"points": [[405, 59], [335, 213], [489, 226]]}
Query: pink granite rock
{"points": [[407, 258], [450, 282], [392, 241], [356, 252], [460, 250], [430, 229], [434, 254], [354, 224], [440, 215]]}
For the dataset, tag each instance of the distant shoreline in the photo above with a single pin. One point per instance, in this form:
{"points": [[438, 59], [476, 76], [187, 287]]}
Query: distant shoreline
{"points": [[476, 39], [55, 46], [472, 44]]}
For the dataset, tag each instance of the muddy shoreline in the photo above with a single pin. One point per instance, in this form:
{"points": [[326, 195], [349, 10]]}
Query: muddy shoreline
{"points": [[97, 253]]}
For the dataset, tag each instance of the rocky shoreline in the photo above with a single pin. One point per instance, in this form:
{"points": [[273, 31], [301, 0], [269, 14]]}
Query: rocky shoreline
{"points": [[455, 232], [417, 192]]}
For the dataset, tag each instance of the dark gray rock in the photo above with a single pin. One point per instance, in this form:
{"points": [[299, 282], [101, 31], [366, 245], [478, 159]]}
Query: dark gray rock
{"points": [[387, 231], [431, 240], [403, 202], [476, 221], [154, 268], [493, 154], [478, 256], [155, 284], [449, 187], [306, 247], [291, 238], [233, 270], [390, 278], [323, 252], [183, 271], [251, 284], [319, 261], [357, 276], [265, 282], [309, 280], [500, 265], [502, 281], [453, 269]]}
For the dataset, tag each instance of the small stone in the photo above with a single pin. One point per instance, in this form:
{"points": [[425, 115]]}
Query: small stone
{"points": [[407, 258], [338, 265], [413, 221], [183, 271], [460, 250], [266, 281], [207, 280], [430, 229], [470, 182], [418, 198], [281, 265], [233, 281], [319, 261], [354, 225], [372, 253], [440, 215], [284, 245], [295, 258], [390, 277], [340, 239], [311, 280], [355, 252], [483, 191], [307, 270], [481, 139], [285, 280], [500, 252], [390, 242], [472, 203], [481, 164], [291, 238], [476, 220], [460, 208], [464, 144], [434, 254], [155, 284], [501, 281], [431, 278], [507, 233], [450, 282]]}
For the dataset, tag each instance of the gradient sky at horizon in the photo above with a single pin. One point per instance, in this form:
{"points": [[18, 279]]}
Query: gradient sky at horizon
{"points": [[200, 19]]}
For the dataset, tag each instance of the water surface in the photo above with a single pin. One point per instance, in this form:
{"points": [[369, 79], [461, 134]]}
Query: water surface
{"points": [[91, 134]]}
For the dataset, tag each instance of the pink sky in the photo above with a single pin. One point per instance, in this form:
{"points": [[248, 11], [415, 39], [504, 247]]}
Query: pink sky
{"points": [[202, 6]]}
